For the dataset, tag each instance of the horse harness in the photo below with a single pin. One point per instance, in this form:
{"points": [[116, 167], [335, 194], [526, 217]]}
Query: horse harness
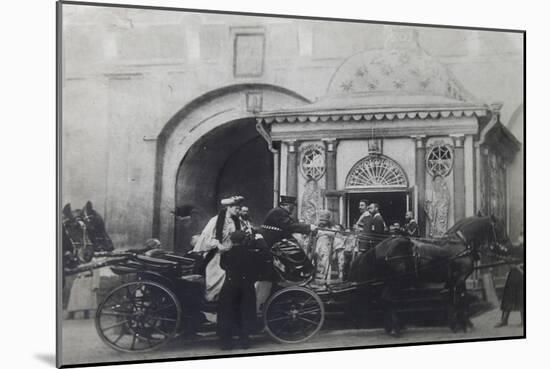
{"points": [[416, 254]]}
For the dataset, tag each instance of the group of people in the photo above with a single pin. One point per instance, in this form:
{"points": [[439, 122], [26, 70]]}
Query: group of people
{"points": [[237, 258], [239, 264], [237, 272], [372, 228]]}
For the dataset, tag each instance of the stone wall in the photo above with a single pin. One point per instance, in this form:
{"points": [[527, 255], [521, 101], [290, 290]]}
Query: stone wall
{"points": [[127, 72]]}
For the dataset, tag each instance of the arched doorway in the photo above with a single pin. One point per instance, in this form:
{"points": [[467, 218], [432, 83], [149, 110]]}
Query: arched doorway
{"points": [[199, 150], [378, 179], [230, 159]]}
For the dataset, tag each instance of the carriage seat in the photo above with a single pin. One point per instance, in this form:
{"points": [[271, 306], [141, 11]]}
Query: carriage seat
{"points": [[290, 251], [193, 278]]}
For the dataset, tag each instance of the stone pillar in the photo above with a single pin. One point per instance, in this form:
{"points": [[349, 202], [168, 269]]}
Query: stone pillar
{"points": [[477, 153], [420, 175], [276, 176], [330, 162], [292, 169], [459, 198], [469, 175], [484, 185], [332, 197]]}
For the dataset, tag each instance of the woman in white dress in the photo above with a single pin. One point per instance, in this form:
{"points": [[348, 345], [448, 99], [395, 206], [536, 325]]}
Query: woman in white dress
{"points": [[215, 240]]}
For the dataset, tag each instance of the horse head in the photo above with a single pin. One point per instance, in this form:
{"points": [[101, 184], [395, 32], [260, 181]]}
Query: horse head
{"points": [[485, 234], [500, 242], [77, 247], [96, 229]]}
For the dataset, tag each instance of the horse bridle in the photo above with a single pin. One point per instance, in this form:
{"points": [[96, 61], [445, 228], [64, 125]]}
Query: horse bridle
{"points": [[85, 239], [496, 242]]}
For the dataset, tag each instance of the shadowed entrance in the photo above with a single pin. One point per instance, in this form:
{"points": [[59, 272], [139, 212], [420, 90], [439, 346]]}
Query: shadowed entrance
{"points": [[393, 205], [231, 159]]}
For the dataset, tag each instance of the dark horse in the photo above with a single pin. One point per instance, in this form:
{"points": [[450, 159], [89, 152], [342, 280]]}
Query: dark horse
{"points": [[96, 229], [403, 262], [83, 234], [76, 245]]}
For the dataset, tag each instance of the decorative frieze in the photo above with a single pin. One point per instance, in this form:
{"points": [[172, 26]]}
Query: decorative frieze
{"points": [[388, 115]]}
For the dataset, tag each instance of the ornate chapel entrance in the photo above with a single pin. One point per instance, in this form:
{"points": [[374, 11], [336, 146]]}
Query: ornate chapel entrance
{"points": [[378, 179]]}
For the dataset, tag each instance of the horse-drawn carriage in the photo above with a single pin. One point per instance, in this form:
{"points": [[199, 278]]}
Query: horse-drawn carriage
{"points": [[163, 294]]}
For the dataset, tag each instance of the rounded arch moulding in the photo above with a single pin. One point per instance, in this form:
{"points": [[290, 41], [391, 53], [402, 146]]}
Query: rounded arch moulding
{"points": [[376, 172]]}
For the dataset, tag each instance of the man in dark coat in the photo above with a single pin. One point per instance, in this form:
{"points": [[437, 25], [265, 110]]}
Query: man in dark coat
{"points": [[363, 243], [278, 223], [237, 304], [411, 226], [373, 229], [513, 298]]}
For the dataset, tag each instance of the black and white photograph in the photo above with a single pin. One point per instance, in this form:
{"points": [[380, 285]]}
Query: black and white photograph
{"points": [[236, 184]]}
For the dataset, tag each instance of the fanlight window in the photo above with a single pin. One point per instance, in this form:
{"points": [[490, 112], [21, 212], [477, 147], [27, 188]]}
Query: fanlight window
{"points": [[376, 171]]}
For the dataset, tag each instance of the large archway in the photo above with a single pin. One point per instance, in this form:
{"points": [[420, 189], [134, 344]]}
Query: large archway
{"points": [[199, 152], [230, 159]]}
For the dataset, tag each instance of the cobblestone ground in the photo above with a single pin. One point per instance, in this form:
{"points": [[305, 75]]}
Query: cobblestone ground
{"points": [[81, 343]]}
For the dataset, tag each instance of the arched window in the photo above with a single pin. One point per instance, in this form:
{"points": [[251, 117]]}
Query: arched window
{"points": [[376, 171]]}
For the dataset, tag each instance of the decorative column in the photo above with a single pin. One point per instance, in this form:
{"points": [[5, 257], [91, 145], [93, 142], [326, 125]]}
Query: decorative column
{"points": [[484, 185], [459, 198], [469, 175], [276, 176], [420, 175], [332, 196], [292, 169]]}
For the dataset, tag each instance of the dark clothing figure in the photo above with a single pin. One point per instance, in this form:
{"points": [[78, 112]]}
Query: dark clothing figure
{"points": [[237, 304], [513, 295], [411, 229], [278, 224], [372, 233]]}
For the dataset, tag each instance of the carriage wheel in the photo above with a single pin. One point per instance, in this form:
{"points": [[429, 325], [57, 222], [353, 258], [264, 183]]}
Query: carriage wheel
{"points": [[138, 316], [293, 315]]}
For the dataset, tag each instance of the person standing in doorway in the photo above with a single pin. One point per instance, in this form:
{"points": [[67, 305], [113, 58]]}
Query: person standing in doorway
{"points": [[374, 228], [411, 226], [359, 226], [363, 212]]}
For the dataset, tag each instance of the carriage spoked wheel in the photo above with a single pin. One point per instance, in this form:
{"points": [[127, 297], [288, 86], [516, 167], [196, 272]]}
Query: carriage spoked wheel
{"points": [[138, 316], [293, 315]]}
